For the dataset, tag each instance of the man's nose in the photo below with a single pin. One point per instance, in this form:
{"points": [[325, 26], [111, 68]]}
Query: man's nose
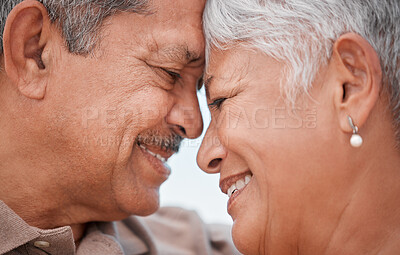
{"points": [[185, 116], [211, 153]]}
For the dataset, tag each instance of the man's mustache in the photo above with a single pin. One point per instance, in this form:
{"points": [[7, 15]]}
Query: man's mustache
{"points": [[171, 142]]}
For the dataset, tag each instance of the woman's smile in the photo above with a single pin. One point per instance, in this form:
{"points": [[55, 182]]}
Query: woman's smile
{"points": [[233, 186]]}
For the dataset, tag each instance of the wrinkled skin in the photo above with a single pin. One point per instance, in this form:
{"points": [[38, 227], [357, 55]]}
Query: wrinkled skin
{"points": [[70, 128], [310, 192]]}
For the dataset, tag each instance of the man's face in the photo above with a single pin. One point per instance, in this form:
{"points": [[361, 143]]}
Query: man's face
{"points": [[136, 92]]}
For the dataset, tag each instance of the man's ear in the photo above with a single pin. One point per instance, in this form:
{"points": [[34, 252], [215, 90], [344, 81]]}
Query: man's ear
{"points": [[26, 33], [357, 77]]}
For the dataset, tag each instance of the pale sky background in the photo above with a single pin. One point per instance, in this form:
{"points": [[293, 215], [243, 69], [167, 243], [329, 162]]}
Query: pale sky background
{"points": [[191, 188]]}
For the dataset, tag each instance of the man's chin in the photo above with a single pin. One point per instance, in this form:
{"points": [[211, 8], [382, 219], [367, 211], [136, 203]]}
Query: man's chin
{"points": [[141, 205], [149, 208]]}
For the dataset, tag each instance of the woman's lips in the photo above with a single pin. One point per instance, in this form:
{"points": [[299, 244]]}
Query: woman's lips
{"points": [[234, 185], [239, 185], [226, 183], [235, 191]]}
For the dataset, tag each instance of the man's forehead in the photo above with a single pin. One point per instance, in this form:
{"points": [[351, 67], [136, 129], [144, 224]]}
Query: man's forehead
{"points": [[178, 13], [176, 30], [179, 6]]}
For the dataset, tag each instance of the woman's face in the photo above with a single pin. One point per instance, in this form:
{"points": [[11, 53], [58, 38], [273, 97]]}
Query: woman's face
{"points": [[289, 167]]}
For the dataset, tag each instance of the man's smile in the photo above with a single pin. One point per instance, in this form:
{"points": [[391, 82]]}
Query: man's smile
{"points": [[154, 154], [157, 162], [157, 148]]}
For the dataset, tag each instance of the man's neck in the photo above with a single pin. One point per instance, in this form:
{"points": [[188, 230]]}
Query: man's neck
{"points": [[78, 231], [37, 210], [46, 220]]}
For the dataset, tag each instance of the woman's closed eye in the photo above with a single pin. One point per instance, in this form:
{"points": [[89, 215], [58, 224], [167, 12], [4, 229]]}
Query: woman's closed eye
{"points": [[217, 104]]}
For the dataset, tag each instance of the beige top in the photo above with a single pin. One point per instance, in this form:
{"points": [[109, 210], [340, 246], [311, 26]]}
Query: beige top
{"points": [[171, 231]]}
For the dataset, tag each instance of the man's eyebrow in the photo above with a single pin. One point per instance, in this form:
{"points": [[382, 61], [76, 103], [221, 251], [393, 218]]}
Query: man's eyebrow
{"points": [[182, 53]]}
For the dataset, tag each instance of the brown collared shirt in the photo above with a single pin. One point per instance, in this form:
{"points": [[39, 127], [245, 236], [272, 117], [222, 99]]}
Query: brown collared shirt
{"points": [[171, 231]]}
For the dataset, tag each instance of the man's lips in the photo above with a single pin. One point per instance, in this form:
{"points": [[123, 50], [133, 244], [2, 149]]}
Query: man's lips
{"points": [[157, 152], [226, 183], [158, 163]]}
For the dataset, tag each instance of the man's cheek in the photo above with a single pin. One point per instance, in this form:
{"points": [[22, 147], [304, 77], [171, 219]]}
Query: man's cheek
{"points": [[150, 114]]}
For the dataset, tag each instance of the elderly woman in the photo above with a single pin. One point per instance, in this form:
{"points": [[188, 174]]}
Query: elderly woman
{"points": [[305, 132]]}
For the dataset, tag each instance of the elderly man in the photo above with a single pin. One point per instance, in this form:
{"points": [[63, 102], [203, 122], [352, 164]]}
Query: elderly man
{"points": [[94, 97]]}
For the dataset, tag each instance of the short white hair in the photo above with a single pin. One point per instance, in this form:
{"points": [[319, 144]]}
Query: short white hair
{"points": [[301, 33]]}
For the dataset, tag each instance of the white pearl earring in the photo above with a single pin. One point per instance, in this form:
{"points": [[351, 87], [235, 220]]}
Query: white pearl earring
{"points": [[355, 140]]}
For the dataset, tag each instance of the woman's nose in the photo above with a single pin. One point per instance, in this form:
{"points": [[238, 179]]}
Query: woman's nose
{"points": [[211, 153]]}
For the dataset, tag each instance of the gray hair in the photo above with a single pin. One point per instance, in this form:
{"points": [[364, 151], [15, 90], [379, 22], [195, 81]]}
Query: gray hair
{"points": [[79, 20], [301, 33]]}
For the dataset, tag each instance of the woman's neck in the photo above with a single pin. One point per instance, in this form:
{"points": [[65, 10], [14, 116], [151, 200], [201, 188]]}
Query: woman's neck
{"points": [[370, 222]]}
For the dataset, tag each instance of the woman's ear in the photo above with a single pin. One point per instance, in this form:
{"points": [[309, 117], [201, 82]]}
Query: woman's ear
{"points": [[357, 79], [25, 37]]}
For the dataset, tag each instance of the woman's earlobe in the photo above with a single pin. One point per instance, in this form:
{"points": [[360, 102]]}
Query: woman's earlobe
{"points": [[355, 140], [358, 73]]}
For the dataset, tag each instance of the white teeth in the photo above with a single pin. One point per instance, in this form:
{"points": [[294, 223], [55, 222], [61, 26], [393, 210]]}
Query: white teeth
{"points": [[160, 158], [247, 179], [239, 185], [151, 153], [231, 189], [154, 154]]}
